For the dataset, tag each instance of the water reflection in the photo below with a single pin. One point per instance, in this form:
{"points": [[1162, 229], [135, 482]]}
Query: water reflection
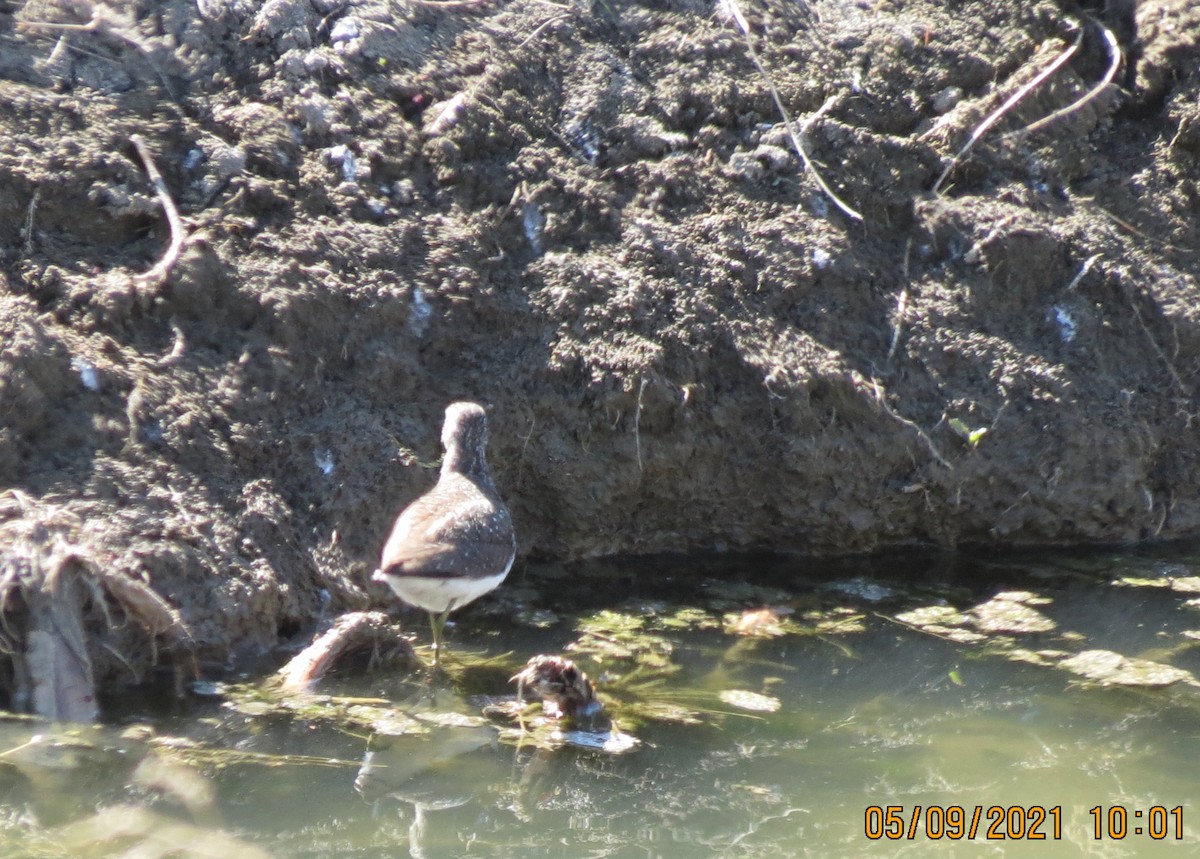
{"points": [[425, 772]]}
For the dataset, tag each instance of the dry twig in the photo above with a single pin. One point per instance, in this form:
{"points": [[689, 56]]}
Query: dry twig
{"points": [[898, 321], [637, 423], [881, 399], [797, 142], [1083, 270], [162, 269], [1115, 57], [178, 349], [1158, 350], [107, 22], [1011, 102], [27, 230]]}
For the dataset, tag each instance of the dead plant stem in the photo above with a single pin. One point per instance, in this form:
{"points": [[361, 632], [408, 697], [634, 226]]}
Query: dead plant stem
{"points": [[1009, 103], [162, 269], [1115, 56], [797, 139], [881, 399], [1158, 350], [637, 423], [27, 245]]}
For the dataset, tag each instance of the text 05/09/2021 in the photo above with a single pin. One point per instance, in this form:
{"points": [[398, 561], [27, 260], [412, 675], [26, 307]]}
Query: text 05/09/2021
{"points": [[1017, 822]]}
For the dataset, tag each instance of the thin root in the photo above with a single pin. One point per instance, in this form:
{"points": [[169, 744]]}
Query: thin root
{"points": [[450, 5], [1158, 350], [27, 230], [797, 141], [162, 269], [178, 348], [538, 29], [898, 323], [120, 657], [1083, 270], [1115, 56], [637, 424], [881, 399], [1011, 102]]}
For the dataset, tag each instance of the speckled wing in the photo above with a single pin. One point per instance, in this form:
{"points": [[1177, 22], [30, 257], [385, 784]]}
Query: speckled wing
{"points": [[455, 530]]}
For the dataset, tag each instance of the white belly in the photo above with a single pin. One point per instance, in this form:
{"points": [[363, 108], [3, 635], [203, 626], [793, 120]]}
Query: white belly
{"points": [[439, 595]]}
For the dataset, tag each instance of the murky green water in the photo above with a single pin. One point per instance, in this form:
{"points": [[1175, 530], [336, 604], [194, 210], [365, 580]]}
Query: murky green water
{"points": [[768, 720]]}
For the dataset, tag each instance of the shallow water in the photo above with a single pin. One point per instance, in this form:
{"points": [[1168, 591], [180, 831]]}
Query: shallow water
{"points": [[758, 733]]}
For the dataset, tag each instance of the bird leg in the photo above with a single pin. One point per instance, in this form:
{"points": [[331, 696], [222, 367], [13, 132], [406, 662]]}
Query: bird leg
{"points": [[437, 623]]}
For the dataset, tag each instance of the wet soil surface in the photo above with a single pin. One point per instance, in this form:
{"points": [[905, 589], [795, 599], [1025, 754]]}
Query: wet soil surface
{"points": [[588, 216]]}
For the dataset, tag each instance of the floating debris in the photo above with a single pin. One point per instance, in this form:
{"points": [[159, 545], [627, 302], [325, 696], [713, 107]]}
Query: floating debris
{"points": [[390, 723], [941, 615], [942, 620], [841, 620], [1011, 612], [752, 701], [1044, 658], [685, 618], [762, 622], [774, 621], [611, 742], [450, 719], [1108, 669], [613, 636], [1178, 584]]}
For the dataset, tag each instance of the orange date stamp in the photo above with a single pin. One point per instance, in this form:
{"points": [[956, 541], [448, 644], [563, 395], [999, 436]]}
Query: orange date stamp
{"points": [[1016, 822]]}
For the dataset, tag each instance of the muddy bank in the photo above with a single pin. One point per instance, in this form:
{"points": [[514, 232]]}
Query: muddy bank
{"points": [[590, 218]]}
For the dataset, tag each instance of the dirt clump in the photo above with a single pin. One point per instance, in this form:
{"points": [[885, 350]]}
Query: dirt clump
{"points": [[591, 218]]}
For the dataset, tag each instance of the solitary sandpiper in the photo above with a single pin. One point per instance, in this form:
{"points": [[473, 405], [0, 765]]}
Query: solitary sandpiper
{"points": [[456, 542]]}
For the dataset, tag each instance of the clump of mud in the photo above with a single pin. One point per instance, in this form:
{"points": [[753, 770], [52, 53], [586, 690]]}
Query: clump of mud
{"points": [[590, 217]]}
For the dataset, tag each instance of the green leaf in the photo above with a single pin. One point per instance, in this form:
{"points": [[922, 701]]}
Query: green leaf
{"points": [[970, 436]]}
